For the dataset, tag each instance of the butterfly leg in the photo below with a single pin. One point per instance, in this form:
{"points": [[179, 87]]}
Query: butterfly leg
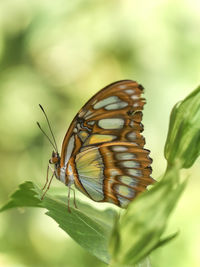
{"points": [[48, 185], [47, 178], [68, 206], [74, 198]]}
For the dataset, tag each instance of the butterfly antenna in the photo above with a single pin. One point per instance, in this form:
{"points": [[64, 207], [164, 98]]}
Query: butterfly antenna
{"points": [[47, 136], [55, 145]]}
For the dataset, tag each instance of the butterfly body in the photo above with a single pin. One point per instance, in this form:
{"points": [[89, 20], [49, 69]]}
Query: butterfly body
{"points": [[103, 151]]}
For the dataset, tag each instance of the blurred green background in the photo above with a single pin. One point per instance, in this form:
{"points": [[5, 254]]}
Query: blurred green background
{"points": [[59, 53]]}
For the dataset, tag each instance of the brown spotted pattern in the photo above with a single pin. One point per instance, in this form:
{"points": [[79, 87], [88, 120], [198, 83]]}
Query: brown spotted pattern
{"points": [[111, 121]]}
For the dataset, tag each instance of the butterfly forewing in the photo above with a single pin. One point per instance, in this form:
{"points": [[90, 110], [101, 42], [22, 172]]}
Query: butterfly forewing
{"points": [[105, 147], [114, 113]]}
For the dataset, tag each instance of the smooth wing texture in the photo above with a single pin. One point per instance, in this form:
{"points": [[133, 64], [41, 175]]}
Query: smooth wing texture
{"points": [[113, 114], [113, 172]]}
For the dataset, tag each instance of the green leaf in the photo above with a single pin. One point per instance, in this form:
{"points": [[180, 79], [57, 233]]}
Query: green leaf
{"points": [[139, 230], [165, 240], [183, 141], [25, 196], [90, 228], [144, 263]]}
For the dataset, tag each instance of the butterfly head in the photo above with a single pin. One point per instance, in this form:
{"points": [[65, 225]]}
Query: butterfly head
{"points": [[55, 161], [55, 158]]}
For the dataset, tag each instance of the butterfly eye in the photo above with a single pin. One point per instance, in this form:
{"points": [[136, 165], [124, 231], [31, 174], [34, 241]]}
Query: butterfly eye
{"points": [[54, 160]]}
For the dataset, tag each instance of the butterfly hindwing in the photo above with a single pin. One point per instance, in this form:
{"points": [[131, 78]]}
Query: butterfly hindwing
{"points": [[113, 172]]}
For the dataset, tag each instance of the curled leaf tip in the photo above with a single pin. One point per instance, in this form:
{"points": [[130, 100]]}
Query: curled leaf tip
{"points": [[183, 141]]}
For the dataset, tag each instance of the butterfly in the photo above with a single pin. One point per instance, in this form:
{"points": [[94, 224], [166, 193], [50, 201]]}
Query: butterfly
{"points": [[103, 152]]}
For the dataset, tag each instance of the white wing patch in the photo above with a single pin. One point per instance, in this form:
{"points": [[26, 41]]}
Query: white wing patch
{"points": [[125, 156], [127, 180], [113, 123], [69, 150], [118, 105], [106, 101]]}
